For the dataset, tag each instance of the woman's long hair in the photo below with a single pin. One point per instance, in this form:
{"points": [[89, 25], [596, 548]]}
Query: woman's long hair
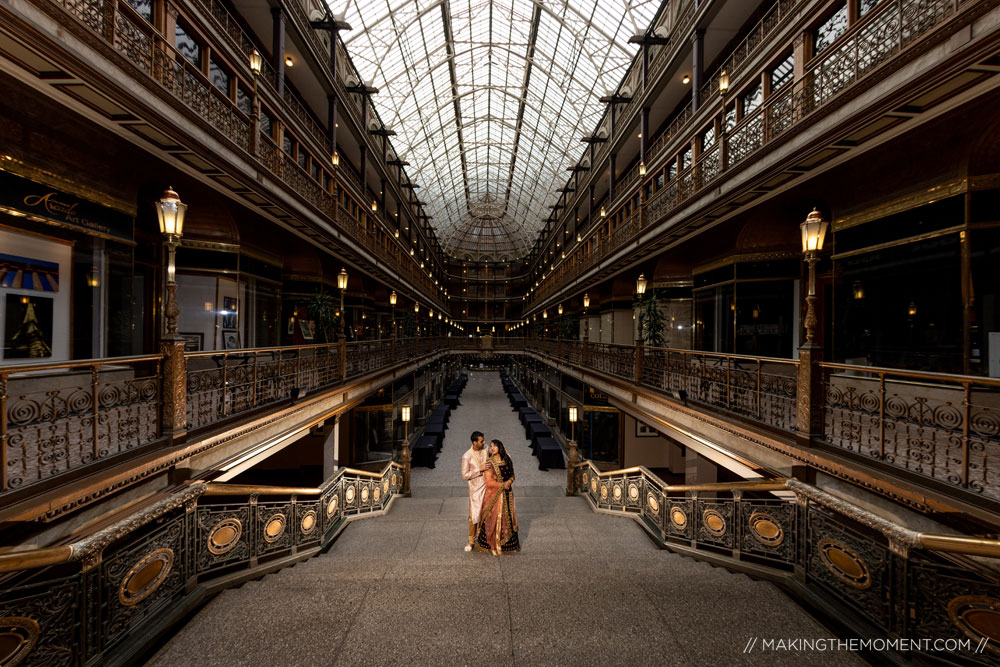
{"points": [[504, 458]]}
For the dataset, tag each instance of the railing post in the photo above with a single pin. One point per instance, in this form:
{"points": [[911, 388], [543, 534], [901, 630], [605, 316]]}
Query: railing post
{"points": [[809, 392], [173, 415], [404, 461], [392, 347], [573, 460]]}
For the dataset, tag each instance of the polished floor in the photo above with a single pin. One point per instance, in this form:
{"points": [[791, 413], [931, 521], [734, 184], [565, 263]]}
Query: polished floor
{"points": [[586, 589]]}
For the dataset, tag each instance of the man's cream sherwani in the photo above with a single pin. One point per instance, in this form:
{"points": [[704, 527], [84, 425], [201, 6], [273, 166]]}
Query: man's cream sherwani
{"points": [[472, 461]]}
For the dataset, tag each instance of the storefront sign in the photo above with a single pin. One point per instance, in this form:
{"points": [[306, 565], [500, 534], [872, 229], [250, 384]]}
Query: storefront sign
{"points": [[19, 196]]}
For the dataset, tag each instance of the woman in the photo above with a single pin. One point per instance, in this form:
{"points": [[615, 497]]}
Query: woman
{"points": [[498, 528]]}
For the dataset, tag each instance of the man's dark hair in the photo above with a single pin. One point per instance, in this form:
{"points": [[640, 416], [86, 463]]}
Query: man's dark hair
{"points": [[476, 435]]}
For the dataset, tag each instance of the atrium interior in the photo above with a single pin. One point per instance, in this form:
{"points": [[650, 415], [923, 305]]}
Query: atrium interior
{"points": [[721, 276]]}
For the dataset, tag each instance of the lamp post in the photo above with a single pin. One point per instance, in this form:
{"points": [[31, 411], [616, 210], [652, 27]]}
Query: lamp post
{"points": [[574, 456], [813, 233], [170, 212], [404, 454], [256, 64], [809, 418], [640, 289], [342, 286], [586, 329], [416, 319]]}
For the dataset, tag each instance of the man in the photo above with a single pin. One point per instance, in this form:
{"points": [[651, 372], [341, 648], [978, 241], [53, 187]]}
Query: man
{"points": [[473, 465]]}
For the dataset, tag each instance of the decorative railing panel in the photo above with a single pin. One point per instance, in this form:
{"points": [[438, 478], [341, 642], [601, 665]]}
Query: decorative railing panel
{"points": [[613, 359], [880, 576], [367, 356], [124, 582], [75, 414], [225, 384], [938, 426]]}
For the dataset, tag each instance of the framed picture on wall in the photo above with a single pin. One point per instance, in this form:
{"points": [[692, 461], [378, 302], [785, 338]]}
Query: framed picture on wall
{"points": [[194, 341], [28, 330], [231, 340], [229, 311], [306, 328], [644, 430]]}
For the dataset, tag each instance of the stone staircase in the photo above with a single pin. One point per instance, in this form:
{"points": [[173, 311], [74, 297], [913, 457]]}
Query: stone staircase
{"points": [[586, 589]]}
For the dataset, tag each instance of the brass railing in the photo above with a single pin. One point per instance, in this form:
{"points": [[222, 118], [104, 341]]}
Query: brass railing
{"points": [[81, 602], [59, 417], [946, 427], [880, 578]]}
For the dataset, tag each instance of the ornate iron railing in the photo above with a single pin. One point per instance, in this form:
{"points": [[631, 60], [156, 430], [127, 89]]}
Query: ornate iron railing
{"points": [[945, 427], [78, 604], [885, 580], [60, 417], [761, 388]]}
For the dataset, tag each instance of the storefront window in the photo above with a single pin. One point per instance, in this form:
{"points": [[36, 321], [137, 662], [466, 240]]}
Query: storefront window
{"points": [[187, 46], [218, 76], [783, 72], [832, 28]]}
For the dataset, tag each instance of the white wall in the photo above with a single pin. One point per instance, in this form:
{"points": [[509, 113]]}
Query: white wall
{"points": [[652, 452], [33, 247]]}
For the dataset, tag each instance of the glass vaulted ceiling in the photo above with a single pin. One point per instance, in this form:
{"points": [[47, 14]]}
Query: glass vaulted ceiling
{"points": [[489, 99]]}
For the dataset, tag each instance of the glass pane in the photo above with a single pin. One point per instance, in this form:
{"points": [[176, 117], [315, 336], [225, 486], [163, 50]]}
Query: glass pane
{"points": [[752, 98], [827, 33], [730, 118], [144, 7], [266, 123], [686, 159], [186, 46], [783, 73], [218, 76], [244, 101], [707, 138], [288, 144], [303, 158], [865, 5]]}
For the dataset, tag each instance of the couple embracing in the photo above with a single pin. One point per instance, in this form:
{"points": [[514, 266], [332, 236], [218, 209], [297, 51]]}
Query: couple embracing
{"points": [[492, 517]]}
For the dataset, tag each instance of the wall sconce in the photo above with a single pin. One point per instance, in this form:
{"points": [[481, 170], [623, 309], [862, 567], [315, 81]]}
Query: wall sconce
{"points": [[686, 79], [289, 62]]}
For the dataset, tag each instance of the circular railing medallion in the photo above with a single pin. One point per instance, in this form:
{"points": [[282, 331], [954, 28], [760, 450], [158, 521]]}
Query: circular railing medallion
{"points": [[633, 492], [376, 494], [593, 485], [145, 576], [978, 616], [653, 503], [364, 494], [349, 494], [714, 523], [766, 529], [274, 528], [308, 522], [224, 536], [331, 505], [617, 492], [844, 563], [18, 637], [678, 517], [604, 491]]}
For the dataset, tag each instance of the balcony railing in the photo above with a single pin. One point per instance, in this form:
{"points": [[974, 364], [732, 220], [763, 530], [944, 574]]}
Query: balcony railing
{"points": [[59, 417], [884, 579], [944, 427], [886, 32]]}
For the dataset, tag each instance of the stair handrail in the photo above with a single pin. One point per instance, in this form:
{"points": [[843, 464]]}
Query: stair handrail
{"points": [[896, 533]]}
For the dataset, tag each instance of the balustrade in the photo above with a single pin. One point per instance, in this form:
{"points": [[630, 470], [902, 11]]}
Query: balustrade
{"points": [[888, 577], [59, 417]]}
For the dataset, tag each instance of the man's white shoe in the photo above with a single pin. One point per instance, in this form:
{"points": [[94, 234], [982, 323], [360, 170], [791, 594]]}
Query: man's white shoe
{"points": [[468, 547]]}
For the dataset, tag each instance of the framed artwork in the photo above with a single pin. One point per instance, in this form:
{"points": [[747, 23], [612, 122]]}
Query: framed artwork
{"points": [[306, 327], [28, 333], [194, 341], [229, 312], [231, 340], [645, 431], [18, 272]]}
